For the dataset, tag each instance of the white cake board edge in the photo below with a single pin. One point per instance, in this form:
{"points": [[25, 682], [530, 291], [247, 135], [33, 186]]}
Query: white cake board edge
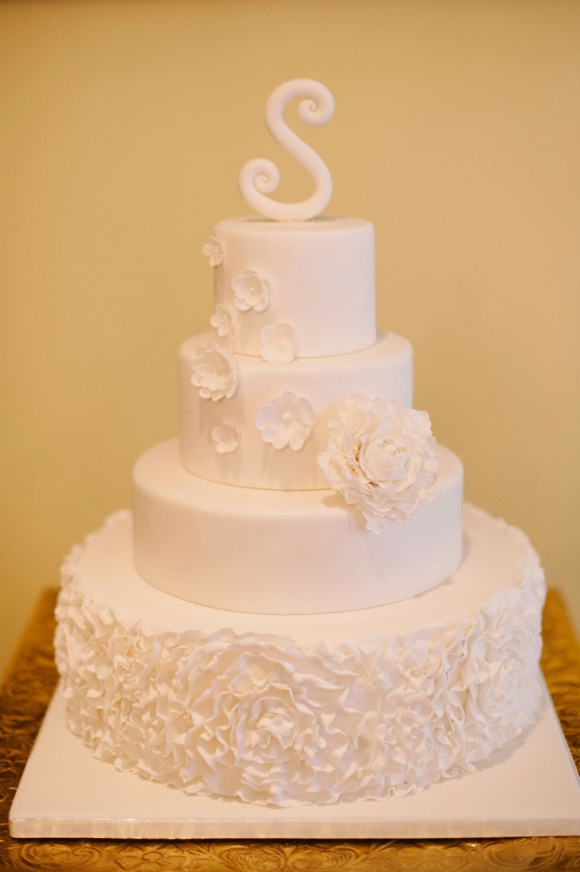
{"points": [[529, 789]]}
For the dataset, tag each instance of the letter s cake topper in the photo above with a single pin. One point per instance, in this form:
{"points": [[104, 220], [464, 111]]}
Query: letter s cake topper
{"points": [[260, 176]]}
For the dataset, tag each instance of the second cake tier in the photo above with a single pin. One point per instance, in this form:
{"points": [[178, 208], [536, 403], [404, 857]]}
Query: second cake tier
{"points": [[290, 552], [307, 390]]}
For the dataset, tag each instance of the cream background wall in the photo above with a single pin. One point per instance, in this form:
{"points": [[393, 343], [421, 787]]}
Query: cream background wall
{"points": [[124, 124]]}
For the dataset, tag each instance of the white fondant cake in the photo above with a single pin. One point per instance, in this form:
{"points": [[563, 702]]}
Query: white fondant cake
{"points": [[298, 609]]}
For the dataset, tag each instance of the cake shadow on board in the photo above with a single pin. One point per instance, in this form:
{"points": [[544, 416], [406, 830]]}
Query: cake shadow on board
{"points": [[299, 609]]}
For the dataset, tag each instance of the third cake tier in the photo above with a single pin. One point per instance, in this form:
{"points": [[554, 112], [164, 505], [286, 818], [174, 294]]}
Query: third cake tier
{"points": [[255, 550]]}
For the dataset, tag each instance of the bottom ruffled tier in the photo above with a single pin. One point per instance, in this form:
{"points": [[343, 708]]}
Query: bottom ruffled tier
{"points": [[274, 709]]}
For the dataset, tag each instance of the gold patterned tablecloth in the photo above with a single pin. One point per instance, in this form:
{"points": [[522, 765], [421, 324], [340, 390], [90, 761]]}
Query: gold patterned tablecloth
{"points": [[26, 692]]}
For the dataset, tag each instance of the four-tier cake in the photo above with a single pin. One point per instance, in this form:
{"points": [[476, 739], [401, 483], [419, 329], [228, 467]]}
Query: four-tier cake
{"points": [[300, 608]]}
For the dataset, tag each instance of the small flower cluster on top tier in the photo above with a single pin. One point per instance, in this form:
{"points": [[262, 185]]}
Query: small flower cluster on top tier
{"points": [[381, 458], [251, 293]]}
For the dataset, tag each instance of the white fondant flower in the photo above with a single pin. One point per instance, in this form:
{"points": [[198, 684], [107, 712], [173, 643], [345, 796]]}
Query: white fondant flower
{"points": [[278, 342], [286, 420], [381, 457], [251, 291], [213, 250], [221, 320], [215, 372], [226, 438]]}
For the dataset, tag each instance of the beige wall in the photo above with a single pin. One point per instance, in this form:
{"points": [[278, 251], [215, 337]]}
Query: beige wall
{"points": [[457, 132]]}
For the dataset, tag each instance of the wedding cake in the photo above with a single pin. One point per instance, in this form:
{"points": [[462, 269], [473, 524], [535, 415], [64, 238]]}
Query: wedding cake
{"points": [[300, 608]]}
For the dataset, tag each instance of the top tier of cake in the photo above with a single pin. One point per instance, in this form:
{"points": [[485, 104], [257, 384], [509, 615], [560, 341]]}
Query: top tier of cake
{"points": [[315, 276]]}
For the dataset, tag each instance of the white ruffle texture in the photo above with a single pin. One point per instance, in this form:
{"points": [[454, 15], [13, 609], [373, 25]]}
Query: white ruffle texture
{"points": [[258, 718]]}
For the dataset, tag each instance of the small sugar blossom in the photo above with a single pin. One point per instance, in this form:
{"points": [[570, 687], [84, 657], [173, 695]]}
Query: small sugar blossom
{"points": [[278, 342], [213, 250], [215, 372], [382, 458], [221, 320], [286, 420], [226, 438], [251, 291]]}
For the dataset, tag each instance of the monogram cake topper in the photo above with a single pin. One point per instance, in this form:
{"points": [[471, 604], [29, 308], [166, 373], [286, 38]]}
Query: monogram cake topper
{"points": [[261, 176]]}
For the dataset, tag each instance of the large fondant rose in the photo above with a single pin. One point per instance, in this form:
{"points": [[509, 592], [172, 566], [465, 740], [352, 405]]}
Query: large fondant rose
{"points": [[381, 457], [215, 372]]}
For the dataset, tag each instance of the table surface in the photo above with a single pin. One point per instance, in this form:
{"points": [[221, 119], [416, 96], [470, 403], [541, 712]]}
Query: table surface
{"points": [[26, 692]]}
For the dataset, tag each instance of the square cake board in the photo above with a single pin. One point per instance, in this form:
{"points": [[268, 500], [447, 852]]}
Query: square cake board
{"points": [[531, 788]]}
